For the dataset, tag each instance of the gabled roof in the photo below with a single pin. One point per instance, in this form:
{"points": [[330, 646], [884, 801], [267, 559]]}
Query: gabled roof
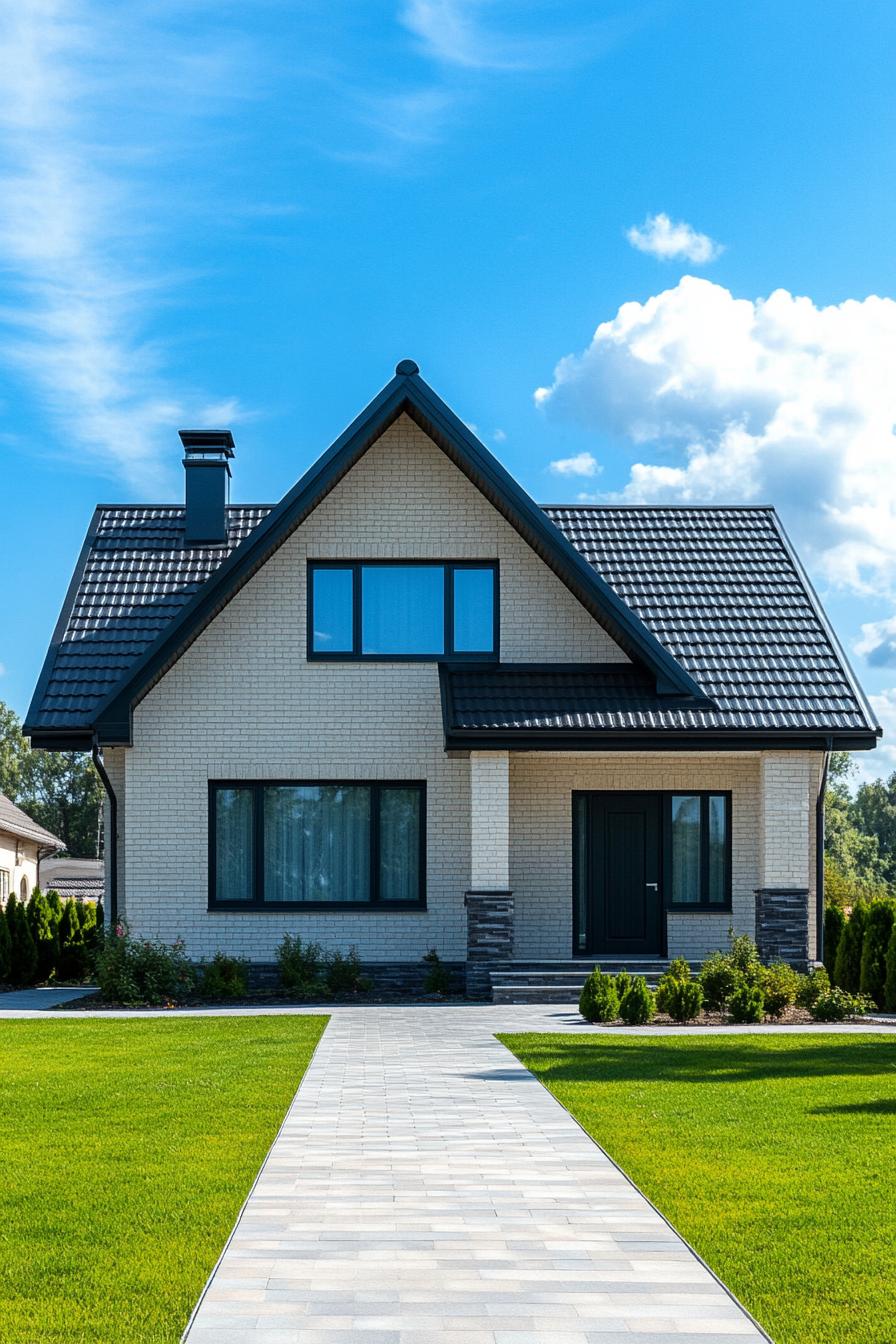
{"points": [[717, 590], [406, 393], [13, 821]]}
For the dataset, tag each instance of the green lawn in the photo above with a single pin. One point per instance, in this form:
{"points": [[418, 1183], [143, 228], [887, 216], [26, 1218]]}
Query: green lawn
{"points": [[126, 1150], [774, 1156]]}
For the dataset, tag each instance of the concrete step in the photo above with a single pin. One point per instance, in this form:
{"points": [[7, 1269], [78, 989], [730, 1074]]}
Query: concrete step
{"points": [[562, 981]]}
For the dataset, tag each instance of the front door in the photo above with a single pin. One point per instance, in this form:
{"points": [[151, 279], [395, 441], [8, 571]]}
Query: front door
{"points": [[617, 874]]}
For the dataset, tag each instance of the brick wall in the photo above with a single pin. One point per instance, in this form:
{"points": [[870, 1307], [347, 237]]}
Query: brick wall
{"points": [[243, 702]]}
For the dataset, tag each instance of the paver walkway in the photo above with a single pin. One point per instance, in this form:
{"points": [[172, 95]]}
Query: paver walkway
{"points": [[31, 1000], [425, 1189]]}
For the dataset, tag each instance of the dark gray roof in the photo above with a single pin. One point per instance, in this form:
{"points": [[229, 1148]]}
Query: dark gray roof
{"points": [[78, 888], [718, 587], [13, 821]]}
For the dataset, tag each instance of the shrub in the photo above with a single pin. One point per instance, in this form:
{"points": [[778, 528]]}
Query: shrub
{"points": [[811, 987], [598, 1001], [848, 962], [778, 987], [301, 967], [747, 1003], [73, 951], [343, 972], [834, 922], [44, 932], [623, 982], [5, 949], [437, 979], [890, 981], [224, 977], [678, 971], [133, 971], [54, 901], [744, 957], [89, 930], [873, 966], [100, 914], [23, 953], [718, 980], [684, 1000], [636, 1005], [837, 1004]]}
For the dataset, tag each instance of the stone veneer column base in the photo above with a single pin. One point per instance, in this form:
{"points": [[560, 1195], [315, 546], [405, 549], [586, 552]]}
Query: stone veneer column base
{"points": [[489, 938], [782, 925]]}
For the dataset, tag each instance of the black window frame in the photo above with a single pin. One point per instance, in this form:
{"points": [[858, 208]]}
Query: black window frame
{"points": [[376, 786], [704, 904], [357, 656]]}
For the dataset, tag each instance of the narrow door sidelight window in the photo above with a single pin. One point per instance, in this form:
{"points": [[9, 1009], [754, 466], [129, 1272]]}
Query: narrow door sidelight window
{"points": [[699, 861]]}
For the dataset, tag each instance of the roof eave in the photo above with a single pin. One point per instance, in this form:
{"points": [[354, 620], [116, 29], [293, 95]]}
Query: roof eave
{"points": [[626, 739]]}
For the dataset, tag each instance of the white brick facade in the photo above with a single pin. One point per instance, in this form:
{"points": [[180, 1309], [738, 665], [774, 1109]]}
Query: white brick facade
{"points": [[244, 703]]}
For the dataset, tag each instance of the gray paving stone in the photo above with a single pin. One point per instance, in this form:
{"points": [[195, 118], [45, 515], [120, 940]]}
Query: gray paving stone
{"points": [[425, 1189]]}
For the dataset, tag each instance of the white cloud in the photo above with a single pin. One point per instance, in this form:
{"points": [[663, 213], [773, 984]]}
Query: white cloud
{"points": [[670, 241], [773, 401], [878, 643], [500, 436], [881, 761], [453, 33], [583, 464], [2, 669], [77, 229]]}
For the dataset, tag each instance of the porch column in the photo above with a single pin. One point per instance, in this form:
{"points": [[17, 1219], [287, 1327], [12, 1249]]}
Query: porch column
{"points": [[489, 901], [785, 819]]}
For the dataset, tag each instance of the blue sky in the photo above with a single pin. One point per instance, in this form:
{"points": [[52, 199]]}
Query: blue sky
{"points": [[244, 215]]}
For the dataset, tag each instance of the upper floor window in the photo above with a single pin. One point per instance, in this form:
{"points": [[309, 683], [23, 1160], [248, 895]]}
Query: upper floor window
{"points": [[402, 609]]}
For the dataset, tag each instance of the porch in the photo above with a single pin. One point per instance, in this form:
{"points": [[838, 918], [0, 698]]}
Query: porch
{"points": [[631, 859]]}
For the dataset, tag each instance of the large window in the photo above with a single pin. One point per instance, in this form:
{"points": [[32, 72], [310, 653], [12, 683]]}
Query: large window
{"points": [[276, 845], [416, 609], [699, 864]]}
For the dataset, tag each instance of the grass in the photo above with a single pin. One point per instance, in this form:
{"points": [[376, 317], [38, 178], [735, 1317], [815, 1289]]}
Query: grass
{"points": [[773, 1156], [127, 1148]]}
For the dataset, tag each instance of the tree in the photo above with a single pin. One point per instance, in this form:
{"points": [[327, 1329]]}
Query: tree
{"points": [[853, 868], [874, 813], [73, 949], [43, 931], [23, 954], [848, 963], [873, 970], [5, 949], [60, 790]]}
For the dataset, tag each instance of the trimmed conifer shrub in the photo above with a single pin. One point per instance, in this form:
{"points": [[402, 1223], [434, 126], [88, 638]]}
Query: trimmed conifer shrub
{"points": [[890, 980], [44, 932], [636, 1005], [848, 963], [623, 982], [5, 949], [873, 967], [747, 1003], [100, 916], [23, 953], [598, 1001], [834, 923], [683, 999], [54, 901], [73, 955]]}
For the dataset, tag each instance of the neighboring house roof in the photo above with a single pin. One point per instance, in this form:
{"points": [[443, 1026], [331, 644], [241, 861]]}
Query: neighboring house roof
{"points": [[13, 821], [75, 888], [722, 624]]}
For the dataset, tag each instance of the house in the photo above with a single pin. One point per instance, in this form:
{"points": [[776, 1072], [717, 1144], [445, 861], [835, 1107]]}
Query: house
{"points": [[406, 708], [23, 845], [76, 879]]}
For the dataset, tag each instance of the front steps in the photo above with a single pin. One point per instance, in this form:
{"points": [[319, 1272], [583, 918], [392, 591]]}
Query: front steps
{"points": [[562, 981]]}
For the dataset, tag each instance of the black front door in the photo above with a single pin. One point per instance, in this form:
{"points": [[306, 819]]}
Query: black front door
{"points": [[617, 874]]}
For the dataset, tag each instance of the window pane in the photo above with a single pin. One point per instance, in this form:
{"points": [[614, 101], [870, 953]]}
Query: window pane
{"points": [[403, 609], [400, 844], [474, 610], [234, 845], [332, 610], [317, 843], [685, 849], [718, 850], [580, 832]]}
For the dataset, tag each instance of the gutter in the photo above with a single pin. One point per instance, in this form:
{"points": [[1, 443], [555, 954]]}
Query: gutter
{"points": [[819, 855], [97, 757]]}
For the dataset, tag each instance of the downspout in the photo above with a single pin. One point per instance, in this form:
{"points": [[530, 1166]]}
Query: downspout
{"points": [[113, 837], [819, 856]]}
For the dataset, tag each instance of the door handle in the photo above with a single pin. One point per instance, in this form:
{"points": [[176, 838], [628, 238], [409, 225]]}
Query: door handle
{"points": [[654, 886]]}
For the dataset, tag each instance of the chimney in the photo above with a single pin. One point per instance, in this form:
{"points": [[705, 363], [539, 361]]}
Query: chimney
{"points": [[206, 463]]}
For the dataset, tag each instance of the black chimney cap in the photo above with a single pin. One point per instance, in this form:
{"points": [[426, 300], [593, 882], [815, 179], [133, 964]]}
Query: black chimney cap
{"points": [[207, 441]]}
